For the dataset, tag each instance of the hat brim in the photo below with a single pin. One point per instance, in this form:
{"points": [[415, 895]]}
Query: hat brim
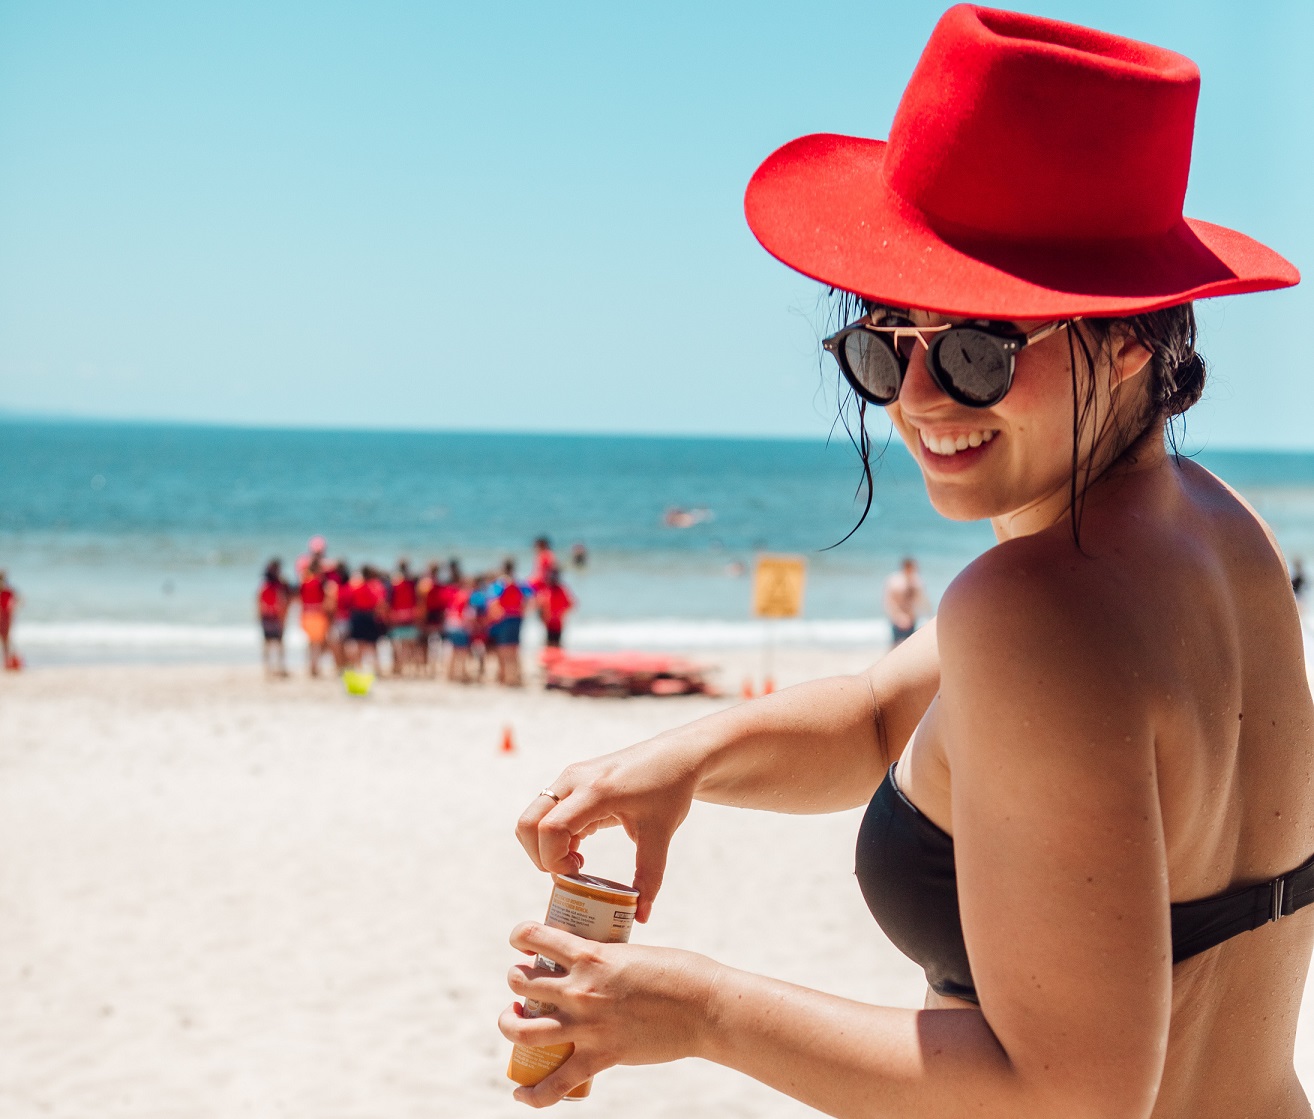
{"points": [[821, 205]]}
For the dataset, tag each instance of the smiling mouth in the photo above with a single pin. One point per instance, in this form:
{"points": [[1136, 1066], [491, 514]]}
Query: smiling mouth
{"points": [[946, 445]]}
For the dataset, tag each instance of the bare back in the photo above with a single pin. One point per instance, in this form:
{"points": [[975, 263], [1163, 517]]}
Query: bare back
{"points": [[1186, 595]]}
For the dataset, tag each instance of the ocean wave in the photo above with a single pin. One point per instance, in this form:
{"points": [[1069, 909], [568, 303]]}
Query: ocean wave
{"points": [[639, 633]]}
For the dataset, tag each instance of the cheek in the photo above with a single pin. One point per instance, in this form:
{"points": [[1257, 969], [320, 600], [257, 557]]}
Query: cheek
{"points": [[906, 432], [1039, 414]]}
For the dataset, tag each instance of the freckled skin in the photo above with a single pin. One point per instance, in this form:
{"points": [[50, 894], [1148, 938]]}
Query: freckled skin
{"points": [[1169, 542]]}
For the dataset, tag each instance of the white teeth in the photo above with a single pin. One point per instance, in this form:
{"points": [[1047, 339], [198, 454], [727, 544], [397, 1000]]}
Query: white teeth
{"points": [[951, 445]]}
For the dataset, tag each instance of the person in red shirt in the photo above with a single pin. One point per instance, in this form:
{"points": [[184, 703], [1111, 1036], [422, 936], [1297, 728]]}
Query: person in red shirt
{"points": [[404, 619], [272, 601], [366, 602], [433, 593], [554, 601], [457, 620], [544, 561], [313, 596], [507, 599], [9, 603], [337, 606]]}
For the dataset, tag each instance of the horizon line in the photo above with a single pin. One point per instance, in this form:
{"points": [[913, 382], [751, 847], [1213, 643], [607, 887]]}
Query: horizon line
{"points": [[66, 418]]}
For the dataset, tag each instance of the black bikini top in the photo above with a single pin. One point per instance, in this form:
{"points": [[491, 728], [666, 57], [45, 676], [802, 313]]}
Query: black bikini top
{"points": [[905, 866]]}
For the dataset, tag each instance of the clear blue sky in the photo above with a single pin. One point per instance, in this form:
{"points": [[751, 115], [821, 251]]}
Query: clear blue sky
{"points": [[522, 216]]}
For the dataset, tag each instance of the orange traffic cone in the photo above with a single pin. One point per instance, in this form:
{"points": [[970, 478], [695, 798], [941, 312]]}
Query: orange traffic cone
{"points": [[769, 686], [747, 690], [508, 743]]}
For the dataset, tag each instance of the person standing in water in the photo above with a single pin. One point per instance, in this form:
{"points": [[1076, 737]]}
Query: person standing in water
{"points": [[904, 600], [1089, 781]]}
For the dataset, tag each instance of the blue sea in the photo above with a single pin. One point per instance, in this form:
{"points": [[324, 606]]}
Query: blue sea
{"points": [[146, 541]]}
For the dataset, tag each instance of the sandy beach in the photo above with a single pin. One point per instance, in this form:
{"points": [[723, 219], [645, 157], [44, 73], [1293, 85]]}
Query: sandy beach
{"points": [[225, 897]]}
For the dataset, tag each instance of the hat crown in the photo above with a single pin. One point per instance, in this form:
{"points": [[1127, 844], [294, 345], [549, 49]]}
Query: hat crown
{"points": [[1023, 128]]}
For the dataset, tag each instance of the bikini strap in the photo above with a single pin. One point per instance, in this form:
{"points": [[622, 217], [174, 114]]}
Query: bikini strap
{"points": [[1200, 925]]}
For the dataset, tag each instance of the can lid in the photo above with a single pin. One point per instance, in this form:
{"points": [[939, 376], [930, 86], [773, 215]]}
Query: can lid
{"points": [[592, 883]]}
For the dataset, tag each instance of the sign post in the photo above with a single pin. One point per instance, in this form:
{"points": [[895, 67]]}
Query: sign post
{"points": [[778, 584]]}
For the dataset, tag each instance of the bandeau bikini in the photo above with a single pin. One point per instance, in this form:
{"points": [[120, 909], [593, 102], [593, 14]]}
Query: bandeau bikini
{"points": [[905, 866]]}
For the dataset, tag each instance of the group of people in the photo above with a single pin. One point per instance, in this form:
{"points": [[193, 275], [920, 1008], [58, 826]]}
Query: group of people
{"points": [[422, 617]]}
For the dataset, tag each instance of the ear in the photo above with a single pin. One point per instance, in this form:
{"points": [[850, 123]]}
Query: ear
{"points": [[1129, 359]]}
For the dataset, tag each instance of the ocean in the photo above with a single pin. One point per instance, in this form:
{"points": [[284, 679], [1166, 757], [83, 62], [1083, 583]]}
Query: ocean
{"points": [[146, 542]]}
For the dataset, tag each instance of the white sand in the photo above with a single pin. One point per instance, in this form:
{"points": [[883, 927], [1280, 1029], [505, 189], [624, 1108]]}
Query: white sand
{"points": [[221, 897]]}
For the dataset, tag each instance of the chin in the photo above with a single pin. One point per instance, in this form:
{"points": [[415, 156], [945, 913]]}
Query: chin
{"points": [[963, 504]]}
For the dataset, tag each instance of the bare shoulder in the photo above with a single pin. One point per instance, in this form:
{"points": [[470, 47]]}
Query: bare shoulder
{"points": [[1039, 600], [1222, 501]]}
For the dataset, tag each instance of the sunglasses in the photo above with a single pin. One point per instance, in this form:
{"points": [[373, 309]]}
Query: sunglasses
{"points": [[972, 364]]}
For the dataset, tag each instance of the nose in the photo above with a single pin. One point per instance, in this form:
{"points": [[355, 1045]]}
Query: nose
{"points": [[919, 393]]}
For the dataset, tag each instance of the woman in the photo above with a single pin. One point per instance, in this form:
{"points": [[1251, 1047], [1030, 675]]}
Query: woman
{"points": [[1106, 732]]}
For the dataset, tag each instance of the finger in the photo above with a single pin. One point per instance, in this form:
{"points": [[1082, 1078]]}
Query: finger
{"points": [[577, 1069], [649, 870], [519, 1030], [556, 944], [560, 829], [527, 824], [526, 980]]}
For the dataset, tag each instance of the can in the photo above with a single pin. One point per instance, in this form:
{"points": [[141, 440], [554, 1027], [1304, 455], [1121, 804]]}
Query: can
{"points": [[597, 910]]}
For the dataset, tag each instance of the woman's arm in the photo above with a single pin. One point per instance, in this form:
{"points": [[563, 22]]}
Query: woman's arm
{"points": [[822, 746], [818, 747], [1063, 892]]}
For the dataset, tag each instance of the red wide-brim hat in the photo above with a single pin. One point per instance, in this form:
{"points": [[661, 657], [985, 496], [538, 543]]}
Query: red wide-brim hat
{"points": [[1034, 169]]}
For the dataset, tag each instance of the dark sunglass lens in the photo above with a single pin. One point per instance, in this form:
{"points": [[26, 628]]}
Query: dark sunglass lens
{"points": [[973, 364], [872, 365]]}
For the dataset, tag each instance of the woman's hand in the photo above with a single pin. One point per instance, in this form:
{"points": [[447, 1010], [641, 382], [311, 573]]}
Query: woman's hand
{"points": [[616, 1003], [646, 789]]}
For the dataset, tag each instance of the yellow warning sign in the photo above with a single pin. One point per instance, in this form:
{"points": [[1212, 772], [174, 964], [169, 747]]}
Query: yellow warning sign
{"points": [[778, 586]]}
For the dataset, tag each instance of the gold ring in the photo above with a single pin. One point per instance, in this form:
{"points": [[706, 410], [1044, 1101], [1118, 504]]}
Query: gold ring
{"points": [[549, 793]]}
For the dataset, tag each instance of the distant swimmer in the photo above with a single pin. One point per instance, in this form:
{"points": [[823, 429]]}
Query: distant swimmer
{"points": [[1299, 585], [9, 604], [686, 518], [272, 601], [579, 556], [905, 599]]}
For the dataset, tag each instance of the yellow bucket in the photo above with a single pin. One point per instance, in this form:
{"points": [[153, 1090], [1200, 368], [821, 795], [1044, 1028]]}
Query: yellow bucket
{"points": [[358, 683]]}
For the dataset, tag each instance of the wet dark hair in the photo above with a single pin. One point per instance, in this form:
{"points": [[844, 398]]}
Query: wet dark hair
{"points": [[1175, 376]]}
